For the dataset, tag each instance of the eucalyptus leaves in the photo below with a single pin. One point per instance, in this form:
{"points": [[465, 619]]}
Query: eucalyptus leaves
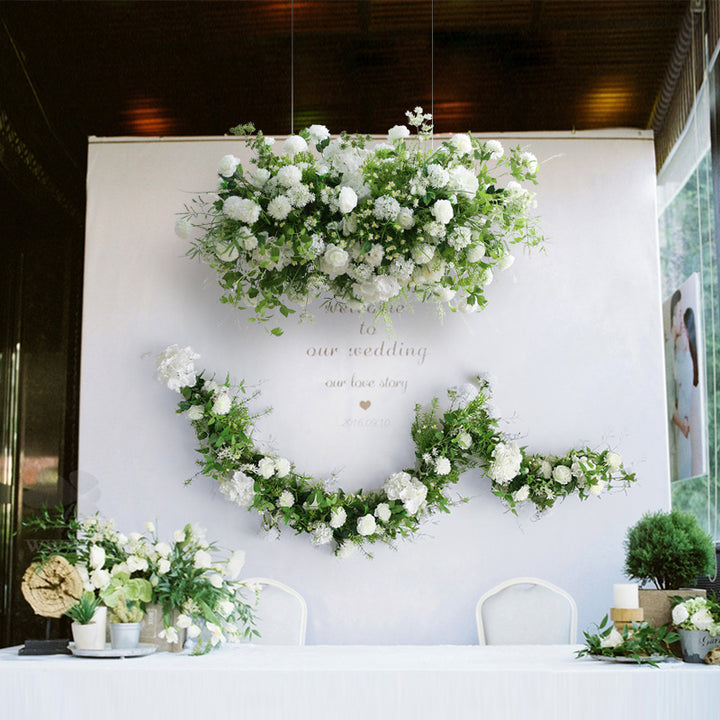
{"points": [[448, 442], [363, 224]]}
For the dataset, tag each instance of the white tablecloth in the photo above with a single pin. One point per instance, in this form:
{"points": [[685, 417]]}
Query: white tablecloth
{"points": [[355, 683]]}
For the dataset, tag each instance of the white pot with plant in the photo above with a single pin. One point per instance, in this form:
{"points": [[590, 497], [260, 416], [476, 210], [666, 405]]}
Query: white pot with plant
{"points": [[85, 630], [697, 620], [125, 597]]}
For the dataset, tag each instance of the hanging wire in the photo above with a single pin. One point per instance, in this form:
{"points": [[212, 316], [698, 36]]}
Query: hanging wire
{"points": [[292, 66]]}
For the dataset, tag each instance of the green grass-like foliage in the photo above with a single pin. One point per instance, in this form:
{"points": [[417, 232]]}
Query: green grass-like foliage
{"points": [[669, 549], [82, 612]]}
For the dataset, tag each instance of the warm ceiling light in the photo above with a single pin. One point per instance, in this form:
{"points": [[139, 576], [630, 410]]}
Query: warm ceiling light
{"points": [[608, 103], [148, 116]]}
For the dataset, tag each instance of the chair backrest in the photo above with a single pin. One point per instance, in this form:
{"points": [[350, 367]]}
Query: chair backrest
{"points": [[280, 613], [526, 611]]}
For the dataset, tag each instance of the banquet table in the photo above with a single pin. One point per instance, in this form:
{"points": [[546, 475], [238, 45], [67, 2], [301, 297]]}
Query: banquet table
{"points": [[355, 683]]}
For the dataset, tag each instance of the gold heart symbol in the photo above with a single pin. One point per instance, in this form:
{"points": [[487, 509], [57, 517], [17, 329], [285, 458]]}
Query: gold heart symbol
{"points": [[365, 404]]}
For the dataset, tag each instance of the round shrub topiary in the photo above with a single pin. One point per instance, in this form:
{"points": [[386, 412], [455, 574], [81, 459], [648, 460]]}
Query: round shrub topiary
{"points": [[670, 549]]}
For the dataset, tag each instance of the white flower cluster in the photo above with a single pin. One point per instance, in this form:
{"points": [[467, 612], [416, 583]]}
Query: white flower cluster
{"points": [[409, 490], [696, 614], [506, 460], [176, 367], [365, 223]]}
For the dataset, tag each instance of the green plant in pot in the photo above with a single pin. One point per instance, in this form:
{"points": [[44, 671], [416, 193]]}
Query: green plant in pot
{"points": [[84, 629], [126, 596], [669, 550]]}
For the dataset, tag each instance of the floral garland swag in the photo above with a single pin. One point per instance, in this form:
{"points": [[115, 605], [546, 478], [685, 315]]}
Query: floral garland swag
{"points": [[447, 443], [363, 225]]}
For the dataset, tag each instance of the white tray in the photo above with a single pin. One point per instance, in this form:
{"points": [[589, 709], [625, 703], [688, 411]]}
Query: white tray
{"points": [[111, 652]]}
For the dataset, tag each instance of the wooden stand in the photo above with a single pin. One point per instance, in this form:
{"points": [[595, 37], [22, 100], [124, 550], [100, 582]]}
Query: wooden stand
{"points": [[626, 616]]}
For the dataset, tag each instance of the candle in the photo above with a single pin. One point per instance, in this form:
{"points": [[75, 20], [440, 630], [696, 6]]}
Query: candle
{"points": [[625, 595]]}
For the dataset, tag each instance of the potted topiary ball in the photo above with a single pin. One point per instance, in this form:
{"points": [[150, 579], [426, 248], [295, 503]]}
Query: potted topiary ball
{"points": [[669, 550]]}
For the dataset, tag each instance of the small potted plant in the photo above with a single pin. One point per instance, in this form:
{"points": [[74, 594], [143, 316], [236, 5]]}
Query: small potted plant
{"points": [[84, 628], [697, 620], [669, 550], [125, 597]]}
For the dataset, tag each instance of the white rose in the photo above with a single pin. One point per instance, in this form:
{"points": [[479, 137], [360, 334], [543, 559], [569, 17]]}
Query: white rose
{"points": [[289, 175], [294, 144], [442, 211], [463, 181], [613, 461], [521, 494], [195, 412], [179, 536], [346, 550], [338, 517], [282, 467], [227, 165], [163, 549], [347, 199], [225, 608], [136, 563], [475, 253], [444, 294], [97, 557], [216, 580], [505, 261], [193, 632], [286, 499], [701, 619], [405, 218], [163, 566], [383, 512], [335, 261], [183, 621], [202, 559], [545, 469], [397, 132], [183, 228], [680, 614], [318, 133], [597, 487], [267, 467], [235, 564], [613, 639], [462, 143], [366, 525], [259, 177], [100, 579], [464, 440], [562, 474]]}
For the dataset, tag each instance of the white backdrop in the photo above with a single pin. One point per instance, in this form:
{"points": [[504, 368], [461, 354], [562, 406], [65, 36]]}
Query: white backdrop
{"points": [[572, 336]]}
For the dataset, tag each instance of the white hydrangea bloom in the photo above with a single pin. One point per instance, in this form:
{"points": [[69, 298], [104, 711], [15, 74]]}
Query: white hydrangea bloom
{"points": [[227, 165], [505, 463], [175, 367]]}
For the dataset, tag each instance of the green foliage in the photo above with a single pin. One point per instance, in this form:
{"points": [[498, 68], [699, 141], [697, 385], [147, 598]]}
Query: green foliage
{"points": [[126, 597], [669, 549], [83, 611], [640, 642]]}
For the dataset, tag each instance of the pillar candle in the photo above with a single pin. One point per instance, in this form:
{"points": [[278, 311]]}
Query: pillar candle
{"points": [[625, 595]]}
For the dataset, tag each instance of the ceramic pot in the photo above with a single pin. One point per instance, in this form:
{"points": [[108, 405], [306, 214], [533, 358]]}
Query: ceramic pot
{"points": [[99, 620], [696, 644], [153, 624], [125, 635], [84, 636], [657, 606]]}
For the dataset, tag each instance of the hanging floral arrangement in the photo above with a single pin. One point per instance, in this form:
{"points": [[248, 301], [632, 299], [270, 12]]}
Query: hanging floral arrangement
{"points": [[360, 223]]}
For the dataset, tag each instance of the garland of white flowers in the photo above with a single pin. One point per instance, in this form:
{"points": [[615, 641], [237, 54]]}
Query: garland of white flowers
{"points": [[363, 225], [447, 443]]}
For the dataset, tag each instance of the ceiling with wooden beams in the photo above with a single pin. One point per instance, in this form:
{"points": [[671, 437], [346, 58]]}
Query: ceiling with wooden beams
{"points": [[74, 69]]}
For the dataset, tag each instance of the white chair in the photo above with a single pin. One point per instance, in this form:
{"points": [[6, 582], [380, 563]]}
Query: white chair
{"points": [[526, 611], [280, 613]]}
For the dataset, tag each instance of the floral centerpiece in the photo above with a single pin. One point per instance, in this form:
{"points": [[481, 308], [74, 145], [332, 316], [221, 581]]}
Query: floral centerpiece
{"points": [[127, 572], [447, 443], [697, 613], [365, 224], [638, 641]]}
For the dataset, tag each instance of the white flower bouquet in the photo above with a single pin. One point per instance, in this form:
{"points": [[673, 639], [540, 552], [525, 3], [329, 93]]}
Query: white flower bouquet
{"points": [[697, 613], [363, 225]]}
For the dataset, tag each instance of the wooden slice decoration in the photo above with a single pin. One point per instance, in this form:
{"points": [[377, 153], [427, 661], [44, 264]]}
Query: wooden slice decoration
{"points": [[52, 587]]}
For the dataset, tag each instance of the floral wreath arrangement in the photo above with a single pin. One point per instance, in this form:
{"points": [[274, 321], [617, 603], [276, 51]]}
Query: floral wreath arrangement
{"points": [[364, 225], [447, 443], [639, 641], [192, 584]]}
